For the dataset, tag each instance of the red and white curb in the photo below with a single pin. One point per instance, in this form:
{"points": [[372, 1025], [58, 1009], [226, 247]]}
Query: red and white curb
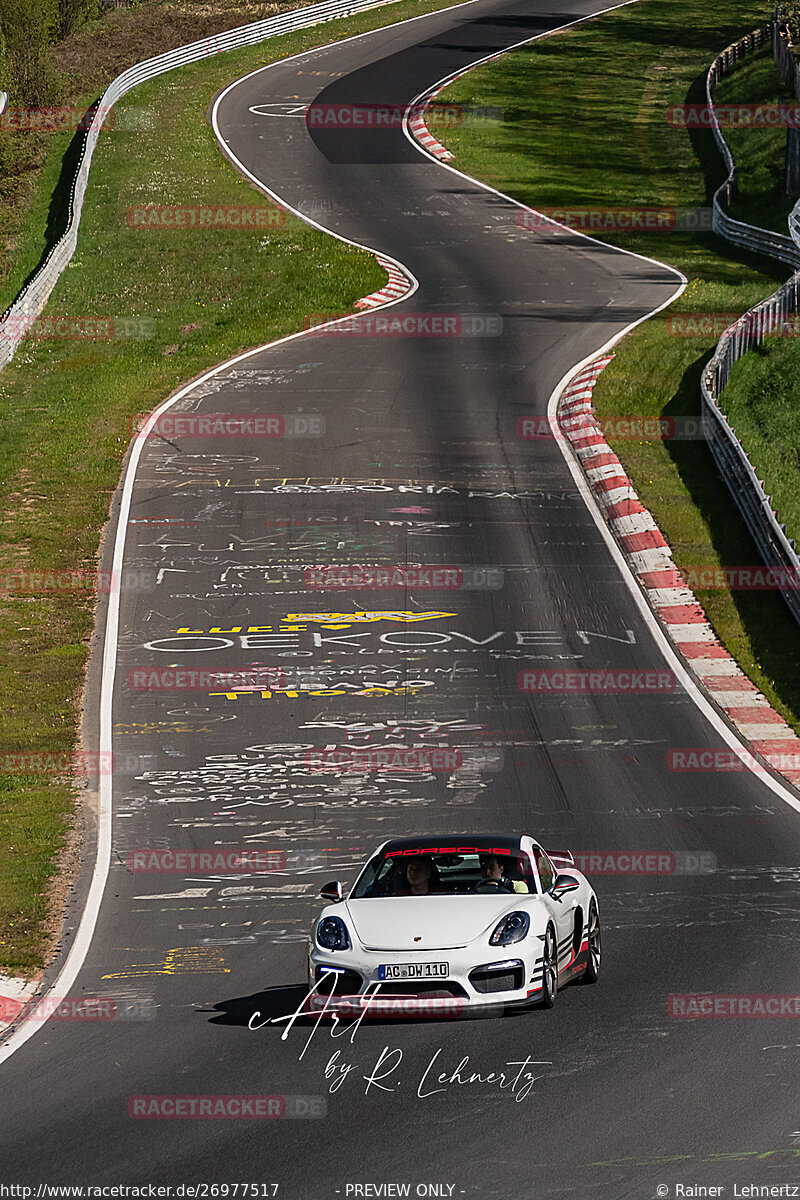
{"points": [[416, 123], [677, 607], [416, 119], [14, 996], [397, 286]]}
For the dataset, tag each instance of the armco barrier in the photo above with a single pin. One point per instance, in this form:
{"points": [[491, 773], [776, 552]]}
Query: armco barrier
{"points": [[32, 299], [794, 224], [762, 241], [730, 456], [787, 64]]}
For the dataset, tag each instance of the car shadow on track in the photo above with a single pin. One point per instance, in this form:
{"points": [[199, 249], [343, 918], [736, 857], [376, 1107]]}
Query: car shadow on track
{"points": [[274, 1003], [271, 1003]]}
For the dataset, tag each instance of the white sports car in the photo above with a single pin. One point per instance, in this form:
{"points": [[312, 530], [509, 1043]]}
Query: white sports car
{"points": [[442, 925]]}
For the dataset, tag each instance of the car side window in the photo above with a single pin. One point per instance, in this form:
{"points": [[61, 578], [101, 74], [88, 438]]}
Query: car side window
{"points": [[545, 868], [375, 879]]}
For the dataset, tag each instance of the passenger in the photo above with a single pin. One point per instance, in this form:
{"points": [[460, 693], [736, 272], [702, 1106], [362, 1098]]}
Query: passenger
{"points": [[492, 872]]}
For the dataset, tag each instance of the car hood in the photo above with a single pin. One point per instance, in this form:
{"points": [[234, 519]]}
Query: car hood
{"points": [[428, 922]]}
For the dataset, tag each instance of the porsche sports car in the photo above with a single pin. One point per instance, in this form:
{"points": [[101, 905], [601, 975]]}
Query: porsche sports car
{"points": [[453, 924]]}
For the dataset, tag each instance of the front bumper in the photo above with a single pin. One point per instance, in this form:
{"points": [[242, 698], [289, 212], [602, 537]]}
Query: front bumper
{"points": [[476, 979]]}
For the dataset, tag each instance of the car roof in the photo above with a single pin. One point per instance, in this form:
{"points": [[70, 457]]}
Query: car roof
{"points": [[454, 842]]}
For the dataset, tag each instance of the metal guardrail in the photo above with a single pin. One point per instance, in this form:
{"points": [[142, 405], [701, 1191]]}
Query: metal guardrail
{"points": [[761, 241], [735, 467], [787, 64], [18, 317], [794, 224]]}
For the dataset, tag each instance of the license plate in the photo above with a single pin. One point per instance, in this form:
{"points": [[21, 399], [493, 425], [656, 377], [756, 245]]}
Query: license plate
{"points": [[413, 971]]}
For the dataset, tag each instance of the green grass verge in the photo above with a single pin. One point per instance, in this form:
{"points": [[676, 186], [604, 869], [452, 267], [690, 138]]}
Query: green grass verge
{"points": [[71, 73], [762, 401], [65, 407], [585, 126], [43, 219]]}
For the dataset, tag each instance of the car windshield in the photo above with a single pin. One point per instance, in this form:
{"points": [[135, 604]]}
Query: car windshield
{"points": [[426, 872]]}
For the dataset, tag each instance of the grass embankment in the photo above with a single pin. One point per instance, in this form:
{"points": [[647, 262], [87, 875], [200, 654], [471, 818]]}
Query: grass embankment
{"points": [[65, 407], [47, 66], [762, 401], [585, 127]]}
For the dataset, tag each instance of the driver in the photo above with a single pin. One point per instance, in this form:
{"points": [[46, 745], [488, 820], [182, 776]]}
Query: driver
{"points": [[492, 872]]}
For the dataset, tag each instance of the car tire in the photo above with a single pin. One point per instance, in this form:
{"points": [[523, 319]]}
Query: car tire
{"points": [[593, 950], [549, 970]]}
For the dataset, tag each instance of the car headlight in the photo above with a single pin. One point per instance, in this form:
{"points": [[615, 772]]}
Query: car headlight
{"points": [[332, 934], [513, 928]]}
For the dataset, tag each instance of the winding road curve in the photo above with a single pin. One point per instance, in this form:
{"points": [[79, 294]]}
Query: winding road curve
{"points": [[420, 462]]}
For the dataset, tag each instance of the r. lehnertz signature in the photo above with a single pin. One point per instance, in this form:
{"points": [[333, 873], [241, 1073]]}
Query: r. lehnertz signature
{"points": [[383, 1073]]}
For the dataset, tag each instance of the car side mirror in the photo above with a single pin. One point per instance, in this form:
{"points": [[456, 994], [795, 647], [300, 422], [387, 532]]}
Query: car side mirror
{"points": [[333, 891], [562, 885]]}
